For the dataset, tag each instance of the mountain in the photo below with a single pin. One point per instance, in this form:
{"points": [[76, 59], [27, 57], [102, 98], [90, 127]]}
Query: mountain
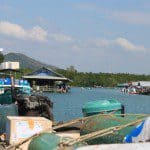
{"points": [[26, 62]]}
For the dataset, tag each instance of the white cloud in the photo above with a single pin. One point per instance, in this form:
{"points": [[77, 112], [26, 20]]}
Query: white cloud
{"points": [[128, 45], [122, 42], [38, 33], [60, 37], [102, 42], [17, 31]]}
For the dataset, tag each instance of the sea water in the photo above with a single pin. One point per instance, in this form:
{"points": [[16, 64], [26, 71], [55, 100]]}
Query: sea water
{"points": [[69, 105]]}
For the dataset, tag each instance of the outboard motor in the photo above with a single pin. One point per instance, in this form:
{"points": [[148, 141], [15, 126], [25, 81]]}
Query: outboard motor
{"points": [[35, 105]]}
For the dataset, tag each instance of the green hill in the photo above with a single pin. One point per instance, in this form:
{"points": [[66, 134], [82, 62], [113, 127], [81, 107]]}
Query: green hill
{"points": [[26, 62]]}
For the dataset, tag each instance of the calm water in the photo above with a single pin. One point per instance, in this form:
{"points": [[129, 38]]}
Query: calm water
{"points": [[69, 106]]}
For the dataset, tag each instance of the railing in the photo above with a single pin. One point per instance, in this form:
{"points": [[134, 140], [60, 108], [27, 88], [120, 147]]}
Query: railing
{"points": [[45, 88], [50, 89]]}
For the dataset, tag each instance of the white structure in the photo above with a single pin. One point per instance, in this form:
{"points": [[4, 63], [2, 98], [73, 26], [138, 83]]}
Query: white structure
{"points": [[9, 65], [1, 49], [141, 83]]}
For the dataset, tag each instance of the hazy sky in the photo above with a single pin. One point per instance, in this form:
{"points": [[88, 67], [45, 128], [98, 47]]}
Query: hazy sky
{"points": [[92, 35]]}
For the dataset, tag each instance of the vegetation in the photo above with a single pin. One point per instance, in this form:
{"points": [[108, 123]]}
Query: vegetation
{"points": [[25, 61], [101, 79], [1, 57], [84, 79], [22, 71], [79, 78]]}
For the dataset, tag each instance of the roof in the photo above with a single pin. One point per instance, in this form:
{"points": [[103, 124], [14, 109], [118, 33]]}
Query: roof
{"points": [[141, 83], [45, 77], [45, 73]]}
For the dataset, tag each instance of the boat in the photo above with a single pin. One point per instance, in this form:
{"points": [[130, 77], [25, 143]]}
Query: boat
{"points": [[104, 122], [9, 88], [108, 116], [16, 100], [50, 141], [7, 98]]}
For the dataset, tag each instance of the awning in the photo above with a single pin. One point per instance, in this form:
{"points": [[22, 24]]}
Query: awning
{"points": [[46, 77]]}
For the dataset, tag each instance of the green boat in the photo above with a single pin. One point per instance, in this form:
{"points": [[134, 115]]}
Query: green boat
{"points": [[108, 115], [50, 141], [104, 124]]}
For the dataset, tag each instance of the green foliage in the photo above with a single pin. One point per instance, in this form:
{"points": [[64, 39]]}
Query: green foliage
{"points": [[71, 69], [85, 79], [1, 57], [101, 79], [22, 72]]}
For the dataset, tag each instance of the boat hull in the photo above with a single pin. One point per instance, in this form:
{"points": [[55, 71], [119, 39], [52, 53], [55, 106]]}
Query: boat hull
{"points": [[100, 122], [50, 141]]}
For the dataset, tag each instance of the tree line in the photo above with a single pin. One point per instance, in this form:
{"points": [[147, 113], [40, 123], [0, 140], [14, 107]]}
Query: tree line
{"points": [[89, 79]]}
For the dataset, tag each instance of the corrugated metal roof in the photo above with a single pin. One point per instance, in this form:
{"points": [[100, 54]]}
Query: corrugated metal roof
{"points": [[45, 77], [45, 71]]}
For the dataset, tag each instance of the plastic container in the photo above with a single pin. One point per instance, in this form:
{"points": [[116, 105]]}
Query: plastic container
{"points": [[7, 81]]}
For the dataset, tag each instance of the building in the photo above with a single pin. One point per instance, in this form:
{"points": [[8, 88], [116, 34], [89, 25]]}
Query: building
{"points": [[9, 66], [45, 79], [8, 69], [142, 84]]}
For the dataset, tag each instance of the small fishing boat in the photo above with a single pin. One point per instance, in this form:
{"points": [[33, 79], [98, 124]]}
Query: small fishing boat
{"points": [[104, 121], [108, 118]]}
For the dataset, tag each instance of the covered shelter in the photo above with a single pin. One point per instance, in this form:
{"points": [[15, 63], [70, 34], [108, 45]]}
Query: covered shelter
{"points": [[45, 79]]}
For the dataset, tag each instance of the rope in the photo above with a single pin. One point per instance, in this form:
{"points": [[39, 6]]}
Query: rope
{"points": [[31, 137], [84, 137], [97, 115], [100, 133], [81, 119]]}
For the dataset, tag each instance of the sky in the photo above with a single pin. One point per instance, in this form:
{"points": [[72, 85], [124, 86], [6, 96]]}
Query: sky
{"points": [[92, 35]]}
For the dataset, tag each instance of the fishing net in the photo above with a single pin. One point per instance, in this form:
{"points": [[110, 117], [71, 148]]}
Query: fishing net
{"points": [[101, 122]]}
